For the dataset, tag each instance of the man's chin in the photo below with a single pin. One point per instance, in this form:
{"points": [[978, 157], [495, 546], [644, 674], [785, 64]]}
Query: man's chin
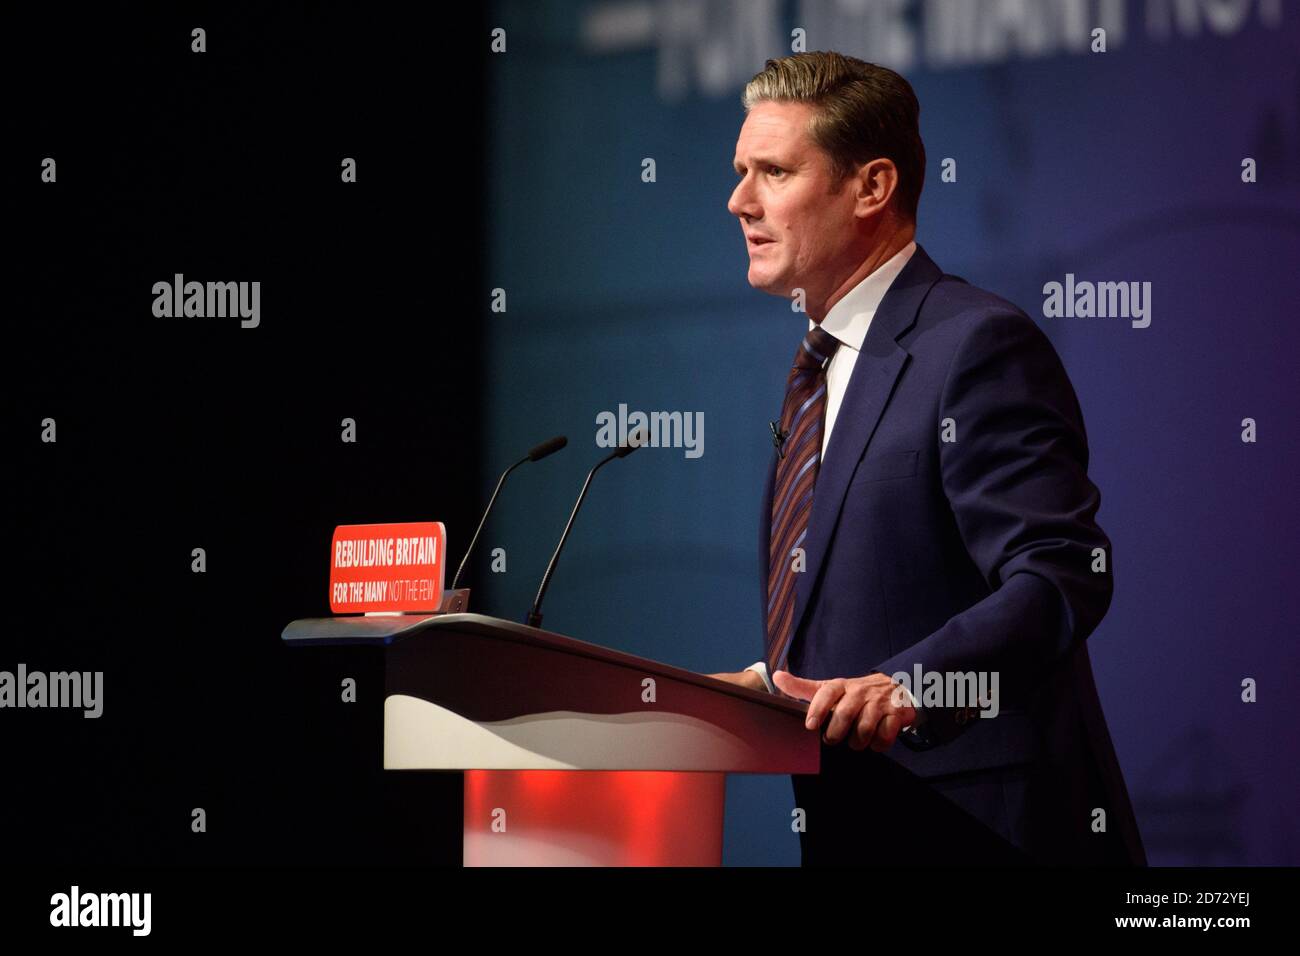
{"points": [[766, 283]]}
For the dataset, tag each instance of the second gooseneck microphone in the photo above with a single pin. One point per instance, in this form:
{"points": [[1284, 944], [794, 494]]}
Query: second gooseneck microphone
{"points": [[634, 441]]}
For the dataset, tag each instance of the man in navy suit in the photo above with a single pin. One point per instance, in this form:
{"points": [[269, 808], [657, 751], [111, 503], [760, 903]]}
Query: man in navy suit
{"points": [[931, 562]]}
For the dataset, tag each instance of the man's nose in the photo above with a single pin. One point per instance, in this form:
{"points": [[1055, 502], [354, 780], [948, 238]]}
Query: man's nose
{"points": [[741, 204]]}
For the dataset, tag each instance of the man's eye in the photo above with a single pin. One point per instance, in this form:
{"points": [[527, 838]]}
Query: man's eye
{"points": [[775, 170]]}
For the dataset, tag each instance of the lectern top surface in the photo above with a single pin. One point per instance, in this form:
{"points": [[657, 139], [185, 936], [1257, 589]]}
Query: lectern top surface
{"points": [[383, 631]]}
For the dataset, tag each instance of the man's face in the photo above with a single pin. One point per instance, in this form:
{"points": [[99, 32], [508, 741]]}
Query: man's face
{"points": [[798, 232]]}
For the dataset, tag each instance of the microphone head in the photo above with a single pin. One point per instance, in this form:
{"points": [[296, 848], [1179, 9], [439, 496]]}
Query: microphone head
{"points": [[634, 441], [548, 447]]}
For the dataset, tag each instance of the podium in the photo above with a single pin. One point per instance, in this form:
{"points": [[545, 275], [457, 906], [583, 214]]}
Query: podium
{"points": [[574, 754], [578, 755]]}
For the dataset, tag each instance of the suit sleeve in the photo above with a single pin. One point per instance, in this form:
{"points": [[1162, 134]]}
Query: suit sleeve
{"points": [[1016, 480]]}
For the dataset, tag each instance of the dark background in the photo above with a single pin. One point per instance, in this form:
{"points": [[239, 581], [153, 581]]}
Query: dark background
{"points": [[183, 433]]}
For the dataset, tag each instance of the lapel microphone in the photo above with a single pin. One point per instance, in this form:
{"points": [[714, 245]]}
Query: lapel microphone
{"points": [[778, 438]]}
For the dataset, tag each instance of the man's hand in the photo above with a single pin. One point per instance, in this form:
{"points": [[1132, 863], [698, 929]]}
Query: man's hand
{"points": [[870, 710], [751, 679]]}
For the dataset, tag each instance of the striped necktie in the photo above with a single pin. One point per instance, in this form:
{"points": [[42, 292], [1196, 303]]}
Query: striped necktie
{"points": [[802, 418]]}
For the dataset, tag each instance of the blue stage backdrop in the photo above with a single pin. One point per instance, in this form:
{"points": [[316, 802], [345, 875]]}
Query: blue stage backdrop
{"points": [[1123, 165]]}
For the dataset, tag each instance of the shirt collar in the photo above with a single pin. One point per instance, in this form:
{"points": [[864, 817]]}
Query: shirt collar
{"points": [[849, 318]]}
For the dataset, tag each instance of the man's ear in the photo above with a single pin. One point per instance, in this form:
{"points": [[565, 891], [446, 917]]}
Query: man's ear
{"points": [[877, 183]]}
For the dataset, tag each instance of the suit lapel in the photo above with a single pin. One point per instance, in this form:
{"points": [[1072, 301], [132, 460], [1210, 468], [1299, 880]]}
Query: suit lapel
{"points": [[878, 366]]}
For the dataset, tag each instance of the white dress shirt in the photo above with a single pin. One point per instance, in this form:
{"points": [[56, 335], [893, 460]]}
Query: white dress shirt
{"points": [[848, 320]]}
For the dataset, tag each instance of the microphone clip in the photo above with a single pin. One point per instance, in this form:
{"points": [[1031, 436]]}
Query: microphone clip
{"points": [[778, 438]]}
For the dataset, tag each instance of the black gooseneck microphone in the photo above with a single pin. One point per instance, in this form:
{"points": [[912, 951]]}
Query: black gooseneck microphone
{"points": [[536, 454], [634, 441]]}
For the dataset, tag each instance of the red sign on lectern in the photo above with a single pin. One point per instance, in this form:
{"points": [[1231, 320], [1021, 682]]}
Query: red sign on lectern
{"points": [[387, 567]]}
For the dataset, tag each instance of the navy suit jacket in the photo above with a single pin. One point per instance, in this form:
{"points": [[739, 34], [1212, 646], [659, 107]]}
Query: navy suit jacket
{"points": [[975, 554]]}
